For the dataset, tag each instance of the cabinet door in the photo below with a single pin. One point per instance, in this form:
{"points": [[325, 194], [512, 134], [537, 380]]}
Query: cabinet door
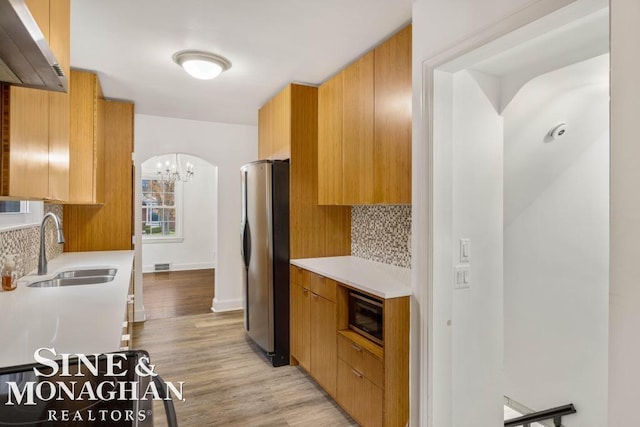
{"points": [[274, 127], [392, 153], [59, 39], [28, 139], [27, 144], [300, 325], [324, 354], [357, 132], [264, 131], [330, 142], [359, 396], [86, 160]]}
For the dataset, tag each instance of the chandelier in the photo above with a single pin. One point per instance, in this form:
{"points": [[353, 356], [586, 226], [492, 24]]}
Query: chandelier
{"points": [[174, 172]]}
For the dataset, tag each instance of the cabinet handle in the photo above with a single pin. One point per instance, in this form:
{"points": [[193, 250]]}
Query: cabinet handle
{"points": [[356, 373], [305, 291], [355, 347], [314, 295]]}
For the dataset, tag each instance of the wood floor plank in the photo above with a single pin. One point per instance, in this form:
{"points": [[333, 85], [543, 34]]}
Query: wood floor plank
{"points": [[178, 293], [228, 381]]}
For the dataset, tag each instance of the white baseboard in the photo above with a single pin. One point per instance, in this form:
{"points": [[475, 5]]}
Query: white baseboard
{"points": [[182, 266], [226, 305]]}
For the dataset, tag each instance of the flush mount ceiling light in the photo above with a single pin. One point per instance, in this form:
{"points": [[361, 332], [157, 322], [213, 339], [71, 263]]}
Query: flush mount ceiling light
{"points": [[201, 65]]}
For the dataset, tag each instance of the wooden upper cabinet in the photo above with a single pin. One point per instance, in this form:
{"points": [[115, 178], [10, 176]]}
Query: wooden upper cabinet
{"points": [[392, 152], [86, 160], [330, 141], [35, 123], [274, 127], [364, 125], [357, 132], [59, 39]]}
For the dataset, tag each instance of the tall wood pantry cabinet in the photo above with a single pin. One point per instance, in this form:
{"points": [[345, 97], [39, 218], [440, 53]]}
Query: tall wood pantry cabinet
{"points": [[288, 129], [107, 226]]}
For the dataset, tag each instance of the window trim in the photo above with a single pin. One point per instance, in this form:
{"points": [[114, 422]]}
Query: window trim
{"points": [[31, 216], [178, 237]]}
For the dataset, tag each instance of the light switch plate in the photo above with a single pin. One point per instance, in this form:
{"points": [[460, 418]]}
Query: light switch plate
{"points": [[462, 277], [465, 250]]}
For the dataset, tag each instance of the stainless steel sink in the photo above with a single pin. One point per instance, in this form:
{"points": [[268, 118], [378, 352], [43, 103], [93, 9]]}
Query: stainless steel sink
{"points": [[78, 277], [87, 273]]}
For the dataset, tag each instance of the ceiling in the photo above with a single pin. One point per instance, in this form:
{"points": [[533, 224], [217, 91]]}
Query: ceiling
{"points": [[577, 95], [269, 42]]}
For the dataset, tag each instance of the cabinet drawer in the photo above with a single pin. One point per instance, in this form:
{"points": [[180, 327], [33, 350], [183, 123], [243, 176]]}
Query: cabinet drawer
{"points": [[361, 360], [295, 274], [320, 285], [358, 396]]}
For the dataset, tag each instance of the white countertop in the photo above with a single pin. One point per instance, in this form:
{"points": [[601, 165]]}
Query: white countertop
{"points": [[383, 280], [71, 319]]}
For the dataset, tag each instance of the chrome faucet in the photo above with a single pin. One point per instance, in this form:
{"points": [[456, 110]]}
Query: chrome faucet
{"points": [[42, 261]]}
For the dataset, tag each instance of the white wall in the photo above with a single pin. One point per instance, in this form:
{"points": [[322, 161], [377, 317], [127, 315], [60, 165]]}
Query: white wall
{"points": [[624, 308], [226, 146], [196, 248], [477, 214], [557, 246]]}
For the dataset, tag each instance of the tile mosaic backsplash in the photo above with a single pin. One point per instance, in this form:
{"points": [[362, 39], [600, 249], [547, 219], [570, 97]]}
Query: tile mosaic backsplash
{"points": [[25, 242], [382, 233]]}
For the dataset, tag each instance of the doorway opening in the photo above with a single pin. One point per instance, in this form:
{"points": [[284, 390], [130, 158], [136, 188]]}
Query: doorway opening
{"points": [[179, 234], [521, 184]]}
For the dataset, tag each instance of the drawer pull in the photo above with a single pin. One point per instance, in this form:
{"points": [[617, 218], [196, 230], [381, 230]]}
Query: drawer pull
{"points": [[356, 373], [356, 348], [314, 295]]}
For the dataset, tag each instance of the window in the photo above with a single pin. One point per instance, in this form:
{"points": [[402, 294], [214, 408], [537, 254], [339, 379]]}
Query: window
{"points": [[19, 214], [12, 206], [160, 210]]}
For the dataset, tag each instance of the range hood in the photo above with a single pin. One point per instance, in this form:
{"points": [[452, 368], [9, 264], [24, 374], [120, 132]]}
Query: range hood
{"points": [[25, 58]]}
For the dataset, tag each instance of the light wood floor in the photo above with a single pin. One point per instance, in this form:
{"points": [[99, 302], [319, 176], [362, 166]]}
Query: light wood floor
{"points": [[228, 381], [178, 293]]}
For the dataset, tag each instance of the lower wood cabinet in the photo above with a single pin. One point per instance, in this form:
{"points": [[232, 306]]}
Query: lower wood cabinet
{"points": [[313, 330], [359, 396], [323, 352], [299, 328], [370, 381]]}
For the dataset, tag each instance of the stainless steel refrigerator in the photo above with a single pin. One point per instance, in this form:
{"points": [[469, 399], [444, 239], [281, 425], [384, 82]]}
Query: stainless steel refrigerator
{"points": [[265, 253]]}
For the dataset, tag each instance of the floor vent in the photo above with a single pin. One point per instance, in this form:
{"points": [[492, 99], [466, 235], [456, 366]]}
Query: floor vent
{"points": [[165, 266]]}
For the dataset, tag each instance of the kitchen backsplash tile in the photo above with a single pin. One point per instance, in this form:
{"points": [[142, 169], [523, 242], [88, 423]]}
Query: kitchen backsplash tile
{"points": [[382, 233], [25, 242]]}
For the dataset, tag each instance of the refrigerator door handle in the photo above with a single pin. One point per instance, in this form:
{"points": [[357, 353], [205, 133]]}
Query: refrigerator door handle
{"points": [[246, 243]]}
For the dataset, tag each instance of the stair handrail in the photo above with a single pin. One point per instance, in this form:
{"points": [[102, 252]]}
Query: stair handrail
{"points": [[554, 414]]}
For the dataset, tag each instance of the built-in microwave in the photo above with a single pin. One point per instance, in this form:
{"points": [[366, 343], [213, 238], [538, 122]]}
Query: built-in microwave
{"points": [[365, 316]]}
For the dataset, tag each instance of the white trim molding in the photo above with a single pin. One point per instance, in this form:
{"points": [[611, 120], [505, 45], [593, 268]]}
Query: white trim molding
{"points": [[226, 305]]}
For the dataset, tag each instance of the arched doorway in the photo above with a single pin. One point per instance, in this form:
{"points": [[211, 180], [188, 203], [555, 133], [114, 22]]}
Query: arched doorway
{"points": [[178, 227]]}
